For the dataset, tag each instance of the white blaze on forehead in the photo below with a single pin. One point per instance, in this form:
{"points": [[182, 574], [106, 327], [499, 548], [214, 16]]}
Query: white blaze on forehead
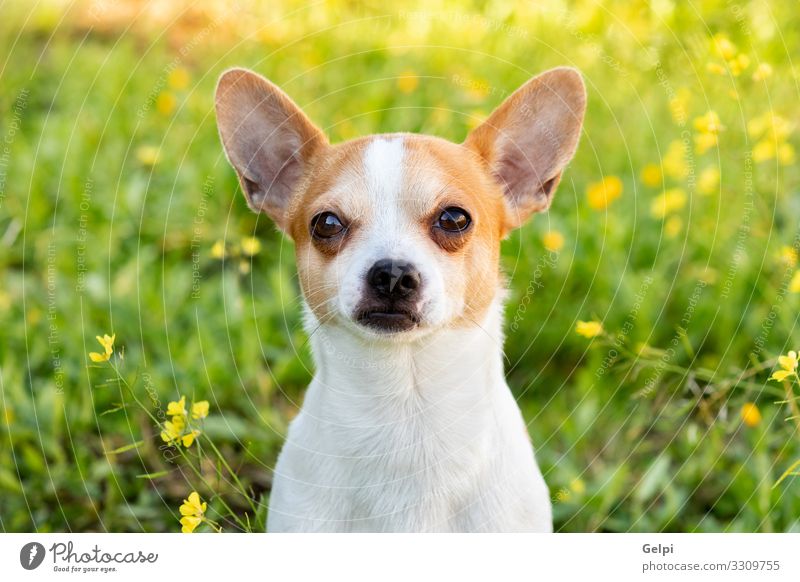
{"points": [[383, 165], [390, 230], [382, 222]]}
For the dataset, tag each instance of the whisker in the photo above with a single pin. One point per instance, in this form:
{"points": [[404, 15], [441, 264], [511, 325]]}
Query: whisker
{"points": [[316, 329]]}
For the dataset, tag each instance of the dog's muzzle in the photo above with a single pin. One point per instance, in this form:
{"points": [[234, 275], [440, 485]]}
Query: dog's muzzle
{"points": [[391, 296]]}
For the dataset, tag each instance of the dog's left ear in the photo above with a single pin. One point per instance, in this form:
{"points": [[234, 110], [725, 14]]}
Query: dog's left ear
{"points": [[527, 141], [269, 141]]}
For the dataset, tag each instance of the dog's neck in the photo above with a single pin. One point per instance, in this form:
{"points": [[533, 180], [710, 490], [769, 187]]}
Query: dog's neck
{"points": [[354, 373]]}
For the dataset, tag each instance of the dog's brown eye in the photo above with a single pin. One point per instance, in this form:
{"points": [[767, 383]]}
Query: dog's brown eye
{"points": [[454, 219], [326, 225]]}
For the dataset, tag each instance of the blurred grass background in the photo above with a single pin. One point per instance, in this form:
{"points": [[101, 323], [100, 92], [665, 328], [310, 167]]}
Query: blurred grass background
{"points": [[119, 213]]}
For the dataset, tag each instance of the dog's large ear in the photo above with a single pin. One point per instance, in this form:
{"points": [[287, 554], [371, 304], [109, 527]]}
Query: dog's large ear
{"points": [[267, 138], [527, 141]]}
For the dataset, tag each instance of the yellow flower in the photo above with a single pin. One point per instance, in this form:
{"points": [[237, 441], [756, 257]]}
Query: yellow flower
{"points": [[789, 361], [670, 201], [708, 123], [679, 105], [192, 505], [788, 255], [723, 47], [244, 267], [764, 150], [739, 64], [763, 71], [708, 126], [750, 414], [779, 128], [601, 194], [189, 523], [200, 409], [708, 181], [218, 250], [173, 430], [674, 162], [407, 82], [178, 430], [166, 103], [786, 154], [651, 175], [108, 347], [771, 126], [704, 142], [188, 438], [788, 364], [177, 408], [148, 155], [553, 241], [767, 149], [794, 284], [673, 226], [192, 512], [589, 329], [251, 246], [578, 486], [107, 342], [178, 78]]}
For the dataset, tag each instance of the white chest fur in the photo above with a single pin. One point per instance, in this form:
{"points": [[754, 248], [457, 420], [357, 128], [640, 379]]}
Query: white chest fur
{"points": [[409, 438]]}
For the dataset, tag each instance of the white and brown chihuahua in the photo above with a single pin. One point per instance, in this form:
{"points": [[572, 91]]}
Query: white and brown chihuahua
{"points": [[408, 424]]}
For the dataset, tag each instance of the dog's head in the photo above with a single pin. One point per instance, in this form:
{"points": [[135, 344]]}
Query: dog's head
{"points": [[399, 234]]}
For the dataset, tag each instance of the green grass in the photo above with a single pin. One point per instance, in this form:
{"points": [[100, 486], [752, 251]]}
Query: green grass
{"points": [[94, 239]]}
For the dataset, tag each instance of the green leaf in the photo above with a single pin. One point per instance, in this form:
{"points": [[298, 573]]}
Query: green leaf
{"points": [[153, 475], [260, 518], [788, 472], [125, 448], [653, 480], [117, 408]]}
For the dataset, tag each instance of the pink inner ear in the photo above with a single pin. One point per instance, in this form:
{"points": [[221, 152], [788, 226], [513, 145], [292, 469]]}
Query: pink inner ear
{"points": [[273, 169], [518, 169], [268, 140]]}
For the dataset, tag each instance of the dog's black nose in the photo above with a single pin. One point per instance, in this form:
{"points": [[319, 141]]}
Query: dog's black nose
{"points": [[394, 279]]}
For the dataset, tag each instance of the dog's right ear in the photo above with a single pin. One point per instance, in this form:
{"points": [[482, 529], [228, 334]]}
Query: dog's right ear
{"points": [[529, 139], [267, 138]]}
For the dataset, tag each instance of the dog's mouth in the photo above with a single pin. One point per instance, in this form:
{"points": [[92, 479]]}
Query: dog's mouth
{"points": [[388, 320]]}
